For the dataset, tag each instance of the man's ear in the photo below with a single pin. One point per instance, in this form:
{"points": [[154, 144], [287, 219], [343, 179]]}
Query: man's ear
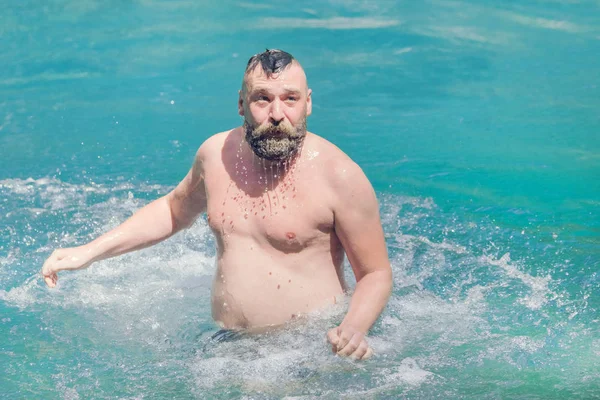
{"points": [[309, 103], [241, 103]]}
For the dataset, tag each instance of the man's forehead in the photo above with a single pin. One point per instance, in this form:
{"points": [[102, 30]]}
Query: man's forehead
{"points": [[292, 77]]}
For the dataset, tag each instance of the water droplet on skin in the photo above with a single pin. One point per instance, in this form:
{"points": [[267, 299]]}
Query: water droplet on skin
{"points": [[245, 216], [265, 172]]}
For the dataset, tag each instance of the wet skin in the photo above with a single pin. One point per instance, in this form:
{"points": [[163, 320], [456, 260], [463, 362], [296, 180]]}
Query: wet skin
{"points": [[278, 255], [281, 227]]}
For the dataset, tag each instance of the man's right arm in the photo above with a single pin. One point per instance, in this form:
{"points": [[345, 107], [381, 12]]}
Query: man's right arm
{"points": [[151, 224]]}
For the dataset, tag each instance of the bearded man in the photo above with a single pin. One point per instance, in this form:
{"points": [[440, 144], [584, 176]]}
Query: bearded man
{"points": [[284, 205]]}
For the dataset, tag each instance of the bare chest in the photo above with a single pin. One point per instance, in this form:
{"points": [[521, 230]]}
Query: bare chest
{"points": [[287, 215]]}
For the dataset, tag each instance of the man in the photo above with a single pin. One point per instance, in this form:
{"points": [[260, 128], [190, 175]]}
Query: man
{"points": [[284, 205]]}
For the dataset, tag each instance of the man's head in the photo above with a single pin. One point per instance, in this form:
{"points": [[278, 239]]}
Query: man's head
{"points": [[274, 101]]}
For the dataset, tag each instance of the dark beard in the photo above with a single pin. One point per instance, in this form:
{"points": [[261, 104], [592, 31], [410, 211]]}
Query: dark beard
{"points": [[275, 143]]}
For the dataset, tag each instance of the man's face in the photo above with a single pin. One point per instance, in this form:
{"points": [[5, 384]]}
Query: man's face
{"points": [[275, 110]]}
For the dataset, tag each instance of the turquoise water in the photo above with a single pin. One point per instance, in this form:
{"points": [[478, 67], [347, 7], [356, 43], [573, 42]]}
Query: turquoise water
{"points": [[477, 123]]}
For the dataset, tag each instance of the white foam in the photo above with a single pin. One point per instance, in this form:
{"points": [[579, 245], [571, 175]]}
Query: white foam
{"points": [[527, 344], [275, 364], [68, 393], [406, 375], [538, 285], [158, 297], [408, 372], [443, 246], [139, 293], [49, 186]]}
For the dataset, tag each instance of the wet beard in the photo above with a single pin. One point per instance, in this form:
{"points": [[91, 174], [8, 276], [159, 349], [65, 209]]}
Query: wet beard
{"points": [[275, 143]]}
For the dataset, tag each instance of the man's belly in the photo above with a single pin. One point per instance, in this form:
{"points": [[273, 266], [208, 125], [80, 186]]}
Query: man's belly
{"points": [[257, 289]]}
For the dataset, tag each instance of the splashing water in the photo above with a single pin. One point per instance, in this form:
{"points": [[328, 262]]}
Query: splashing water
{"points": [[144, 317], [476, 122]]}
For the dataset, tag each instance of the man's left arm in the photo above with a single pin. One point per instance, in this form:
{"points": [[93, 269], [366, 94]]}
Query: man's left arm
{"points": [[358, 226]]}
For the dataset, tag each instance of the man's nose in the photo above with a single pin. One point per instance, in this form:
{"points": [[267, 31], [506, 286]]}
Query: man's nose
{"points": [[276, 114]]}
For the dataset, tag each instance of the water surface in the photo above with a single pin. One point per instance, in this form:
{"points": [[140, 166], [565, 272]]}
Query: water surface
{"points": [[477, 123]]}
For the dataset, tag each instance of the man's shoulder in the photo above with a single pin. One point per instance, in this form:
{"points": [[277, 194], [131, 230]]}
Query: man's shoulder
{"points": [[347, 184], [337, 166], [214, 144]]}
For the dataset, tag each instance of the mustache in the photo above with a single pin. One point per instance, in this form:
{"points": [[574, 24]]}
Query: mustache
{"points": [[275, 142], [275, 131]]}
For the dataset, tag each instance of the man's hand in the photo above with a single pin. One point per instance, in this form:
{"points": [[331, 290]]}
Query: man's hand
{"points": [[349, 342], [65, 259]]}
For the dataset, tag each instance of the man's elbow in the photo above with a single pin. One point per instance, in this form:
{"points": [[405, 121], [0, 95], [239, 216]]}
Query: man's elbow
{"points": [[386, 280], [179, 220], [382, 279]]}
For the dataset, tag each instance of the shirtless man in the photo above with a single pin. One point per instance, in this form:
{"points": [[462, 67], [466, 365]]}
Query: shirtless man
{"points": [[284, 205]]}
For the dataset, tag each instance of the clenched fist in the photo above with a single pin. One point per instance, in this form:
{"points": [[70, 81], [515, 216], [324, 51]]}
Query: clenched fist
{"points": [[349, 342]]}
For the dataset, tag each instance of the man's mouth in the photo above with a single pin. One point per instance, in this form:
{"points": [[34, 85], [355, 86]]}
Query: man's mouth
{"points": [[274, 143]]}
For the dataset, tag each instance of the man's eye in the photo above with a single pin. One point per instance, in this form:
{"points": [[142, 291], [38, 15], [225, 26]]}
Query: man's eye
{"points": [[263, 98], [292, 98]]}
